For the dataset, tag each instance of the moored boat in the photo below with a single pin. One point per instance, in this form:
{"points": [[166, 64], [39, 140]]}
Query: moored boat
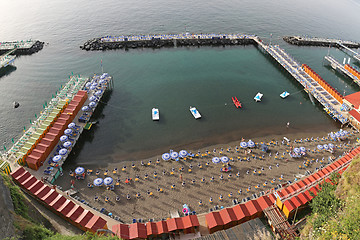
{"points": [[284, 94], [236, 102], [155, 114], [258, 97], [195, 112]]}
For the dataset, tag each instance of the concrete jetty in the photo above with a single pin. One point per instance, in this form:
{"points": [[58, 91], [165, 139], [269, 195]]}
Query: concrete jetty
{"points": [[341, 68], [22, 47], [166, 40], [355, 55], [7, 58], [315, 41]]}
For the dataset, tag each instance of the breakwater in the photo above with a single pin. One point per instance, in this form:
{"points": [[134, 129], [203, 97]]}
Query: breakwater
{"points": [[165, 40], [314, 41], [22, 47]]}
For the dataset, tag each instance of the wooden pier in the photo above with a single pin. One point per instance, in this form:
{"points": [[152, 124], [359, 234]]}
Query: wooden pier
{"points": [[340, 68], [332, 105]]}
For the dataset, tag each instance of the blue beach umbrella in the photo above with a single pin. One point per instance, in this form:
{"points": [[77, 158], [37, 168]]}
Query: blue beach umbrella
{"points": [[325, 146], [56, 158], [79, 170], [85, 108], [251, 144], [166, 156], [87, 84], [92, 104], [92, 98], [302, 149], [98, 182], [216, 160], [94, 84], [68, 131], [332, 135], [320, 147], [92, 87], [337, 134], [71, 125], [64, 138], [108, 181], [243, 144], [99, 92], [224, 159], [174, 155], [63, 151], [183, 153], [67, 144], [331, 145], [296, 150]]}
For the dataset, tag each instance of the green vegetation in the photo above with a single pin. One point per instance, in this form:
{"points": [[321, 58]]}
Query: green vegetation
{"points": [[86, 236], [336, 208]]}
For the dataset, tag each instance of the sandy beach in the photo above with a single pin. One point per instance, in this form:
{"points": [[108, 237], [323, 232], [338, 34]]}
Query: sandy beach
{"points": [[272, 168]]}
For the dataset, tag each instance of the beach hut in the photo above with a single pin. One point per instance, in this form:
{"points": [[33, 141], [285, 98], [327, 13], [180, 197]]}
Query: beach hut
{"points": [[121, 231], [137, 231], [228, 217], [254, 209], [242, 213], [5, 167], [162, 228], [151, 230], [175, 225], [190, 223], [214, 222]]}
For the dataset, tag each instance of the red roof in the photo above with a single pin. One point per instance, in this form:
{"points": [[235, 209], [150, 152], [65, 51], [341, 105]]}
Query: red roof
{"points": [[253, 207], [303, 198], [66, 207], [84, 218], [191, 221], [18, 172], [214, 219], [137, 230], [228, 215], [308, 195], [35, 187], [23, 177], [241, 211], [174, 224], [354, 99], [58, 202], [75, 212], [272, 198], [50, 197], [289, 205], [96, 223], [30, 181], [43, 191], [151, 228], [297, 202], [264, 202], [121, 230], [162, 227]]}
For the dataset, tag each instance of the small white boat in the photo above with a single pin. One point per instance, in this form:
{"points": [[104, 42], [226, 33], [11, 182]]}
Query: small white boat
{"points": [[195, 112], [258, 97], [284, 94], [155, 114]]}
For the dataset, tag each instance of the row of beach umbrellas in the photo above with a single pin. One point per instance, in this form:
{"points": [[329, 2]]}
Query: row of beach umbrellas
{"points": [[339, 134], [223, 159], [249, 144], [174, 155], [325, 146], [107, 181]]}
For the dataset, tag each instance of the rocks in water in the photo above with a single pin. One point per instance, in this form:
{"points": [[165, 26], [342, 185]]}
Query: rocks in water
{"points": [[16, 104]]}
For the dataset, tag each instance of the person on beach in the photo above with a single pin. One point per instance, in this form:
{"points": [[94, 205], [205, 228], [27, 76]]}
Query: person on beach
{"points": [[181, 177]]}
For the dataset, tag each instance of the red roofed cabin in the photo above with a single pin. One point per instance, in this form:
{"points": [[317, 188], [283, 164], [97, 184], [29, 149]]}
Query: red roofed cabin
{"points": [[214, 222], [353, 100]]}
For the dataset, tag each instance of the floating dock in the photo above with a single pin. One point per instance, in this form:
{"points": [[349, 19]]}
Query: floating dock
{"points": [[7, 59], [22, 47], [342, 69], [166, 40], [313, 84], [355, 55], [315, 41]]}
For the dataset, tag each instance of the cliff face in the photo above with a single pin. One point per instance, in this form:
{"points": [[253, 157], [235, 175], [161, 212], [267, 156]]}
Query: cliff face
{"points": [[6, 212]]}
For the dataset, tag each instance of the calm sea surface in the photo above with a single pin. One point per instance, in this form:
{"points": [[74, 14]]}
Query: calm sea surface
{"points": [[171, 79]]}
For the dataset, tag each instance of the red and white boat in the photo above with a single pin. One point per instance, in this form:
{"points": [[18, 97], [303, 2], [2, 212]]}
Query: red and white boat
{"points": [[236, 102]]}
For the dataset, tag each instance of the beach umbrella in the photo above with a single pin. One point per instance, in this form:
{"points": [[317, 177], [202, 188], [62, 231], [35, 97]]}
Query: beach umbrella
{"points": [[337, 134], [243, 144], [296, 150], [224, 159], [64, 138], [71, 125], [102, 81], [92, 104], [332, 135], [302, 149], [79, 170], [166, 156], [174, 155], [325, 146], [320, 147], [63, 151], [67, 144], [85, 108], [216, 160], [68, 131], [99, 92], [251, 144], [98, 182], [183, 153], [108, 181], [56, 158], [87, 84], [92, 98], [331, 145], [94, 84], [342, 134], [92, 87]]}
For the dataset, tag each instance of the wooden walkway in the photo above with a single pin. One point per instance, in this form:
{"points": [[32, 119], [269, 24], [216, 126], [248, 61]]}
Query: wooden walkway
{"points": [[338, 67]]}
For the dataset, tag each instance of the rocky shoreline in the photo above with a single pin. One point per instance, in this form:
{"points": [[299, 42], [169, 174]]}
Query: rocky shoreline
{"points": [[97, 45], [295, 40]]}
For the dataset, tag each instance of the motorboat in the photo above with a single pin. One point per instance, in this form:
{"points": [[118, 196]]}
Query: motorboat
{"points": [[155, 114], [236, 102], [258, 97], [195, 112], [284, 94]]}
